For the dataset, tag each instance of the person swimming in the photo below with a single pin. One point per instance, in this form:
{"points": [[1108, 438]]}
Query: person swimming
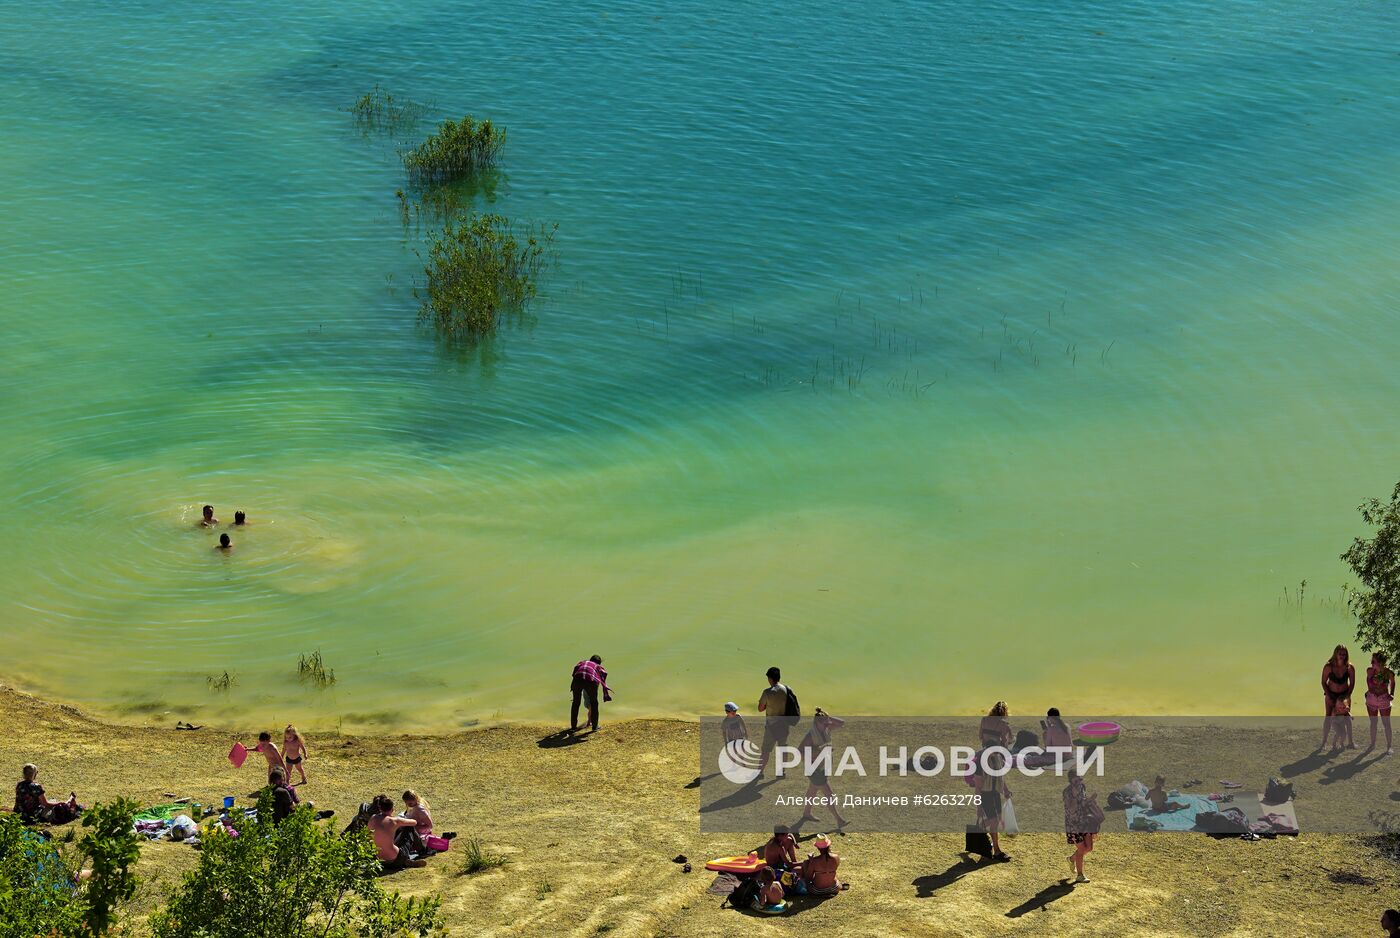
{"points": [[208, 520], [224, 543], [239, 519]]}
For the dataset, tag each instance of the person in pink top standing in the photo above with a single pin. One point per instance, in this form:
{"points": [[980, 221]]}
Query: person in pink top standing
{"points": [[589, 677]]}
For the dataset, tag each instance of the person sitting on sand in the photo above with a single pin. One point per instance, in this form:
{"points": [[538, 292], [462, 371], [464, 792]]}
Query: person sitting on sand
{"points": [[1157, 794], [417, 808], [208, 521], [269, 750], [294, 751], [734, 728], [384, 828], [224, 543], [819, 869], [35, 807], [588, 677], [770, 892], [1390, 923], [781, 850], [240, 519], [995, 729], [1056, 732], [284, 797]]}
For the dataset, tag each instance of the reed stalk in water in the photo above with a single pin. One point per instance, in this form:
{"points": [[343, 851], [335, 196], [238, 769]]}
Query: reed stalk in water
{"points": [[457, 150]]}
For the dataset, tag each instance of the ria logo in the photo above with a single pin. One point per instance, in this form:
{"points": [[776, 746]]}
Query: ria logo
{"points": [[740, 761]]}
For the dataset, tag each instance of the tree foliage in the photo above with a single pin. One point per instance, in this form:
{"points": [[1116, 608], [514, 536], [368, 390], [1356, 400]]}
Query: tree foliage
{"points": [[294, 879], [40, 891], [1376, 562]]}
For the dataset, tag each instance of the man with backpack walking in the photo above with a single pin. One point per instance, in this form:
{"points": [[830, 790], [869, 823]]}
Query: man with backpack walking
{"points": [[779, 705]]}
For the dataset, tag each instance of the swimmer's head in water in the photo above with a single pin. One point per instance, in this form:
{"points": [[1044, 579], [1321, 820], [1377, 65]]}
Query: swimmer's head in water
{"points": [[224, 541], [208, 512], [239, 517]]}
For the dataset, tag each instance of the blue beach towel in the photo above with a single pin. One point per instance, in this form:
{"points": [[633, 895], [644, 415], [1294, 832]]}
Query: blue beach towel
{"points": [[1183, 820]]}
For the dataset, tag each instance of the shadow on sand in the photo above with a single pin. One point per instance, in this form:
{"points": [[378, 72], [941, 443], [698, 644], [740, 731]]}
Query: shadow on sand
{"points": [[1040, 900], [926, 886], [561, 739]]}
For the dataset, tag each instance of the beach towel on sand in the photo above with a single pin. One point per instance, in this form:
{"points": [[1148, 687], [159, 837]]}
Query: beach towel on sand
{"points": [[1183, 820]]}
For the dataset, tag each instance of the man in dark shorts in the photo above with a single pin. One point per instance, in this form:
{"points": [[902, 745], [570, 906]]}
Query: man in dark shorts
{"points": [[588, 678], [773, 704]]}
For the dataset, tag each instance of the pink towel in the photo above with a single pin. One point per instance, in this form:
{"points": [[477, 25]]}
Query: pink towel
{"points": [[237, 755]]}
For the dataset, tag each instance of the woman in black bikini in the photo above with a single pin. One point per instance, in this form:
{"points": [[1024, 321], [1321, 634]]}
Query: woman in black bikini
{"points": [[1338, 681]]}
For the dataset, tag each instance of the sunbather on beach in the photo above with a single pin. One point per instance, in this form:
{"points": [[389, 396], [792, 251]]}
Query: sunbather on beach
{"points": [[781, 850], [589, 678], [33, 806], [417, 808], [384, 827], [208, 520], [1157, 794], [1380, 693], [819, 869], [294, 752], [1056, 733], [770, 891], [224, 543], [1338, 681]]}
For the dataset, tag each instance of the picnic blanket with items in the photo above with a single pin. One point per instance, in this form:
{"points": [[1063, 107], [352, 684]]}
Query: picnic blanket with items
{"points": [[1265, 814]]}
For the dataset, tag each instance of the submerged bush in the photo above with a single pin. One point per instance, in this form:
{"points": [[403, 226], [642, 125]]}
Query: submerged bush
{"points": [[312, 668], [380, 111], [478, 270], [294, 879], [458, 149]]}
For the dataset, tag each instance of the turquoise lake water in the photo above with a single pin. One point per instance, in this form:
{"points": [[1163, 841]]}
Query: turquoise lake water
{"points": [[938, 352]]}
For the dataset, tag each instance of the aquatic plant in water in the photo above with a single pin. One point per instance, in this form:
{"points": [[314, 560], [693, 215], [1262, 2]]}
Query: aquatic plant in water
{"points": [[479, 269], [458, 149], [379, 111], [312, 668]]}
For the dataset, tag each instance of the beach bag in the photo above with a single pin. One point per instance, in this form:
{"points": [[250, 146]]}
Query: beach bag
{"points": [[182, 827], [979, 842], [1277, 792], [1008, 819], [1133, 793], [437, 844], [793, 708], [744, 894]]}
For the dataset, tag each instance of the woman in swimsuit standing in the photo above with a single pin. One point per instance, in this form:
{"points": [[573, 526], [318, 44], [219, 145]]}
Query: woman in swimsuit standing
{"points": [[1338, 681], [1380, 691]]}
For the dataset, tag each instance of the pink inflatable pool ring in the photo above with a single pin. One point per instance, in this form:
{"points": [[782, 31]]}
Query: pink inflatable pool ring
{"points": [[1097, 734]]}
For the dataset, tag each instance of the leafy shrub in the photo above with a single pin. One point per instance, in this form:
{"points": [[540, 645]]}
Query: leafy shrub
{"points": [[39, 889], [477, 270], [458, 149], [296, 879]]}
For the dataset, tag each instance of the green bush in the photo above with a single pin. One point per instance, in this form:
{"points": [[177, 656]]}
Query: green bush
{"points": [[39, 890], [458, 149], [296, 879], [477, 270]]}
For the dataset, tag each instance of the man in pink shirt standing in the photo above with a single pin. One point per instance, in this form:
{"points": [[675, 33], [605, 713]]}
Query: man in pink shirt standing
{"points": [[588, 677]]}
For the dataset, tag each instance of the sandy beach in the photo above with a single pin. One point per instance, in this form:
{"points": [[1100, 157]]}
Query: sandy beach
{"points": [[591, 828]]}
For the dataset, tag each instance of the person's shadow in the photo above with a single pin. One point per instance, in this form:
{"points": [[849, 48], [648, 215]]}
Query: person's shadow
{"points": [[1309, 763], [1346, 770], [744, 794], [1043, 898], [926, 886], [561, 739]]}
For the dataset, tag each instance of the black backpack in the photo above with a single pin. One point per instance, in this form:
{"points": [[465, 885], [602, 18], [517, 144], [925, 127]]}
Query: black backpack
{"points": [[1277, 792], [744, 894], [793, 708]]}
